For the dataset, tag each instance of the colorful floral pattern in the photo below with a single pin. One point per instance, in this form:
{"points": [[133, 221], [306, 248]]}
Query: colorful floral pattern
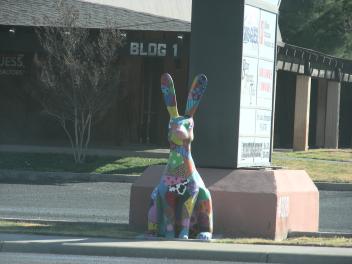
{"points": [[181, 204]]}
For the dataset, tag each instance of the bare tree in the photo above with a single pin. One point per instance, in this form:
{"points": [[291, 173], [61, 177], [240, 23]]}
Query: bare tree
{"points": [[78, 72]]}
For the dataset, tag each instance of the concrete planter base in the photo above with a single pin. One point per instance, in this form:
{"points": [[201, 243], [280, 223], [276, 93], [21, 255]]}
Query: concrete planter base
{"points": [[246, 203]]}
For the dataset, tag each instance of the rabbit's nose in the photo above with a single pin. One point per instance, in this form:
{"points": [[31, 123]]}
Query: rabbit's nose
{"points": [[180, 134]]}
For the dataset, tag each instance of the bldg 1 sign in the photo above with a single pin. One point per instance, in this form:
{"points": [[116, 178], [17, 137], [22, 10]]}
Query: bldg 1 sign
{"points": [[257, 87]]}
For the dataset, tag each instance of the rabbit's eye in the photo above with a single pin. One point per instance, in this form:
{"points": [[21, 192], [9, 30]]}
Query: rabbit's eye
{"points": [[188, 126]]}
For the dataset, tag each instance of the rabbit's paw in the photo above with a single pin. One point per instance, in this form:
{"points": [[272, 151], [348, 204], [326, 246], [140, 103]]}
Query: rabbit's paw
{"points": [[183, 234], [204, 236]]}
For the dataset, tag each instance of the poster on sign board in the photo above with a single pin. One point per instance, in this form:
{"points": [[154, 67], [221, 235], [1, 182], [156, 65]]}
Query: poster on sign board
{"points": [[262, 152], [265, 84], [254, 151], [246, 150], [267, 31], [263, 123], [249, 81], [251, 31]]}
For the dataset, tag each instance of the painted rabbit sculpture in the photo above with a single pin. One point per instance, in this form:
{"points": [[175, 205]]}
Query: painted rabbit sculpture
{"points": [[181, 204]]}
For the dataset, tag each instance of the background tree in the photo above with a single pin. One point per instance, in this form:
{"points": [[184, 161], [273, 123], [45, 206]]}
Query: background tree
{"points": [[78, 73], [323, 25]]}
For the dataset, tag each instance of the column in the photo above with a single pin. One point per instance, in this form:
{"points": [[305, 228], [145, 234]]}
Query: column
{"points": [[301, 123], [216, 121], [321, 113], [332, 114]]}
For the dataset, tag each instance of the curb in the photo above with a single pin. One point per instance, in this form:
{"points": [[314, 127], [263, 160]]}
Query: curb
{"points": [[173, 249], [50, 221], [326, 186], [318, 234], [22, 176], [291, 234]]}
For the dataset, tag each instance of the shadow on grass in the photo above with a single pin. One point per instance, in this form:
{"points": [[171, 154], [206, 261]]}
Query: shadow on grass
{"points": [[49, 167], [51, 162], [132, 170]]}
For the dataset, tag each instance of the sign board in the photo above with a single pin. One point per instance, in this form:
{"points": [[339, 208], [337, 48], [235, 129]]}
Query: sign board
{"points": [[153, 49], [257, 82], [240, 66], [12, 64]]}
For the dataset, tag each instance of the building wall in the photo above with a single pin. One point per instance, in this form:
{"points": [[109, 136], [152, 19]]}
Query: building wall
{"points": [[285, 107], [23, 121], [139, 99], [139, 115]]}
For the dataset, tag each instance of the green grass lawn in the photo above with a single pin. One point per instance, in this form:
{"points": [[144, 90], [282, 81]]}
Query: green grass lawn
{"points": [[321, 165], [321, 154], [122, 231]]}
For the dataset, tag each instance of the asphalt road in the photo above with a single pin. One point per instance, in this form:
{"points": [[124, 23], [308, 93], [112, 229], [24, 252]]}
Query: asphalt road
{"points": [[88, 202], [336, 211], [16, 258], [109, 202]]}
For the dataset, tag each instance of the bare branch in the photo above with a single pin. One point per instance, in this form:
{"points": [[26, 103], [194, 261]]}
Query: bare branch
{"points": [[78, 73]]}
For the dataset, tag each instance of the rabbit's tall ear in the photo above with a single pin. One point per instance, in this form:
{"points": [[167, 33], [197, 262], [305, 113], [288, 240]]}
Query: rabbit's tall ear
{"points": [[195, 94], [168, 90]]}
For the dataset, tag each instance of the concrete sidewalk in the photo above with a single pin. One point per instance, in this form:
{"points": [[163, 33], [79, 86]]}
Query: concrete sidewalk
{"points": [[173, 249]]}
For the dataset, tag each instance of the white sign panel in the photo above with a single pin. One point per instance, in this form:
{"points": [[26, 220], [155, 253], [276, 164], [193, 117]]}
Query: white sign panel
{"points": [[257, 84], [247, 128], [265, 84], [253, 150], [267, 31], [246, 150], [263, 147], [251, 31], [249, 81], [263, 123]]}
